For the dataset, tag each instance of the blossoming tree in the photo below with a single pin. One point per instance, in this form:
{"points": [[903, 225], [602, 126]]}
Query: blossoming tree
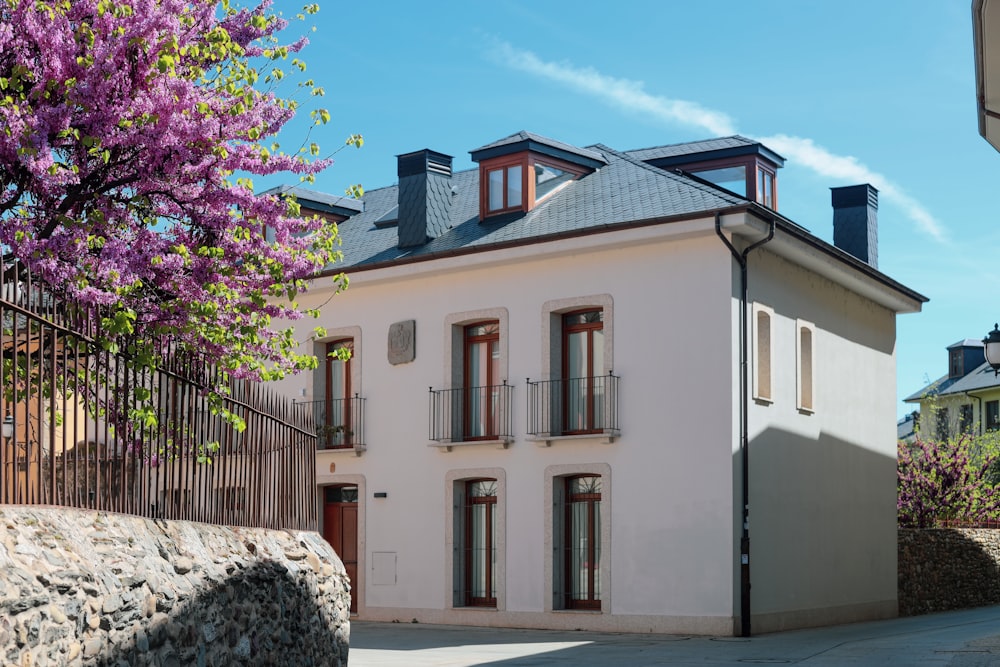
{"points": [[130, 131]]}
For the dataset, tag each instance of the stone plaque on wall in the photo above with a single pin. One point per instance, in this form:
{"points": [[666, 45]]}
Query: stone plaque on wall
{"points": [[402, 342]]}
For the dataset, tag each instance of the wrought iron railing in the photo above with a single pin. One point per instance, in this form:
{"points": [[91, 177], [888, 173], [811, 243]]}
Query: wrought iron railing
{"points": [[72, 435], [340, 422], [467, 414], [574, 406]]}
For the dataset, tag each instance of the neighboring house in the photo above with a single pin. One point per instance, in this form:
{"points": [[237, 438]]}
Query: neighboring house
{"points": [[542, 425], [966, 400], [906, 428]]}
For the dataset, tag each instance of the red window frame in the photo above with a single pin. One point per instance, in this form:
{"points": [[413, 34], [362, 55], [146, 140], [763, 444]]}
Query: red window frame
{"points": [[590, 564], [569, 328], [489, 388], [490, 599], [329, 440]]}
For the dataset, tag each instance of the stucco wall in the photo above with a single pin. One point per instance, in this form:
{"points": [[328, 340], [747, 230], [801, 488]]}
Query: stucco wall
{"points": [[93, 588], [673, 495], [822, 489]]}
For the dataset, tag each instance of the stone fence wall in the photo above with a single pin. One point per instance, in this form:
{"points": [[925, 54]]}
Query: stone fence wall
{"points": [[948, 568], [92, 588]]}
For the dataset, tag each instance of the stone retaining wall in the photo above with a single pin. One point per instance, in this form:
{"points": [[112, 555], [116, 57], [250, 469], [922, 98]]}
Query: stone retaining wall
{"points": [[948, 568], [93, 588]]}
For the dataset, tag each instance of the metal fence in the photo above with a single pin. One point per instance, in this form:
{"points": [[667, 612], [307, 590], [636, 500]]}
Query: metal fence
{"points": [[471, 413], [85, 427], [573, 406], [340, 422]]}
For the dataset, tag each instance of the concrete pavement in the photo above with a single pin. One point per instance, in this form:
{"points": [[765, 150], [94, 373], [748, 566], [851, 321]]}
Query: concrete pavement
{"points": [[969, 638]]}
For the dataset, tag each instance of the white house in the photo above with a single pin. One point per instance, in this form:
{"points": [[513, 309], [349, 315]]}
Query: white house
{"points": [[542, 423]]}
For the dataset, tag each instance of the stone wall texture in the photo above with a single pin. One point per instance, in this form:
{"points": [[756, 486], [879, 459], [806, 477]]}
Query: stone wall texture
{"points": [[93, 588], [948, 568]]}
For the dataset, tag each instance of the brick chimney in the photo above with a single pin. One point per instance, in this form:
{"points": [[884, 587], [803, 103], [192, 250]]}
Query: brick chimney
{"points": [[424, 196], [855, 221]]}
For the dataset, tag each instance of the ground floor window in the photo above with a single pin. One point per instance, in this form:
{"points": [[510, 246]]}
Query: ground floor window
{"points": [[479, 543], [582, 542]]}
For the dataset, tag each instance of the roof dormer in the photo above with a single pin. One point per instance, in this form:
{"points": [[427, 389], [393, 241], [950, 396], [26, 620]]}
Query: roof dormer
{"points": [[519, 171], [744, 167]]}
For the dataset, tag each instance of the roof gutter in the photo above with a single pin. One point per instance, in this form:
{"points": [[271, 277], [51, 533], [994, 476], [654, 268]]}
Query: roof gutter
{"points": [[741, 259]]}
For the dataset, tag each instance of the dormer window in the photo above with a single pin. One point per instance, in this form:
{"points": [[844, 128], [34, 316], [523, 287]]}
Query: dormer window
{"points": [[744, 167], [505, 188], [548, 179], [519, 171], [765, 188]]}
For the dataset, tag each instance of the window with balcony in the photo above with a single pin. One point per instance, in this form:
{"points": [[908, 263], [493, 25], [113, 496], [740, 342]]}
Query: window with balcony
{"points": [[581, 397], [481, 389], [336, 404], [476, 407], [584, 385]]}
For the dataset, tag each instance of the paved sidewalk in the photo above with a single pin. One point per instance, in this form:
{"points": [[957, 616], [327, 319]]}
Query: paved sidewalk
{"points": [[968, 638]]}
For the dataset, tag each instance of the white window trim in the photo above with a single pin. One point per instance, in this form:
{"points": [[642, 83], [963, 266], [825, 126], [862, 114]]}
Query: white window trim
{"points": [[557, 472], [799, 364], [453, 480], [757, 361]]}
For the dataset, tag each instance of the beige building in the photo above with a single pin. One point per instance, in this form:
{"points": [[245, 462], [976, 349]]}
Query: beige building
{"points": [[543, 422]]}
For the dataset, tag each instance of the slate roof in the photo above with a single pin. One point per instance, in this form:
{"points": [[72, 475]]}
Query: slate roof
{"points": [[982, 377], [623, 191], [709, 149], [620, 190], [320, 200], [689, 147]]}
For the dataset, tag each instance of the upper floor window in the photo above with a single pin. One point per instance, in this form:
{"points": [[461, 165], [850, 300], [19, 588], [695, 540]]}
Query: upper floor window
{"points": [[336, 424], [804, 365], [762, 352], [482, 380], [548, 179], [955, 365], [518, 182], [583, 371], [505, 188], [732, 178], [766, 194]]}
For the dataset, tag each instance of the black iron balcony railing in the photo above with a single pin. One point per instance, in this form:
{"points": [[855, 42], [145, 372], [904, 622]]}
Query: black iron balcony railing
{"points": [[471, 413], [340, 422], [574, 406]]}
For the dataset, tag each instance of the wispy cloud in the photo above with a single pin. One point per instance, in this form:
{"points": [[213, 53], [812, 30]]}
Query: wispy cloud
{"points": [[632, 96]]}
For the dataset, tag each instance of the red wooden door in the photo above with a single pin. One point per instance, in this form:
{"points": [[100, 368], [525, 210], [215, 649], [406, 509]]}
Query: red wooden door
{"points": [[340, 529]]}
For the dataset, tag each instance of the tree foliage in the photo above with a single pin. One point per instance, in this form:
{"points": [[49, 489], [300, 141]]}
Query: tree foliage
{"points": [[129, 131], [948, 480]]}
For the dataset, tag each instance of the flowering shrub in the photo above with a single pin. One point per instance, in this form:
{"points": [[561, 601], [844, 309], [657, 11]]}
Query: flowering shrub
{"points": [[947, 481]]}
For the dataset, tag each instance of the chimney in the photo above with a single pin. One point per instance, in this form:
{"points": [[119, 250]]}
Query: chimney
{"points": [[855, 221], [424, 196]]}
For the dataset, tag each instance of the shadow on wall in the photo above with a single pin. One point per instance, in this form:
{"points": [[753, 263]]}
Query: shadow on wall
{"points": [[822, 530], [941, 569], [260, 616]]}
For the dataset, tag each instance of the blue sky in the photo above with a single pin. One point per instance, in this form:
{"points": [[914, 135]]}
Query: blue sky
{"points": [[848, 92]]}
